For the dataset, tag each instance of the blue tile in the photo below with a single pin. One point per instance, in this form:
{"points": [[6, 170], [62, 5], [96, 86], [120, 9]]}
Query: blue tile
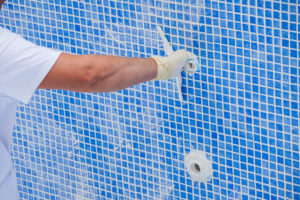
{"points": [[246, 34]]}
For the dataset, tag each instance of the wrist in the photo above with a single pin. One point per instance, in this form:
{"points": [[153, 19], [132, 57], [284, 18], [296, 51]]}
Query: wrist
{"points": [[160, 67]]}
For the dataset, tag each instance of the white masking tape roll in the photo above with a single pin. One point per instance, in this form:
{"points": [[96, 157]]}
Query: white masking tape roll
{"points": [[198, 166]]}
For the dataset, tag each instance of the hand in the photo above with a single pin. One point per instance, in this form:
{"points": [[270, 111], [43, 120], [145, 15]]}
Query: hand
{"points": [[171, 66]]}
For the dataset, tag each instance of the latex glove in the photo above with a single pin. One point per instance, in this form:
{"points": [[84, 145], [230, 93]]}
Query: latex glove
{"points": [[171, 66]]}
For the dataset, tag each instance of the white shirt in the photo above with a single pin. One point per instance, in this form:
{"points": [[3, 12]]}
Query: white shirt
{"points": [[23, 66]]}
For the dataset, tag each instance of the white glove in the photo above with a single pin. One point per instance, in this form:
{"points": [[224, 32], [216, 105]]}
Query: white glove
{"points": [[170, 67]]}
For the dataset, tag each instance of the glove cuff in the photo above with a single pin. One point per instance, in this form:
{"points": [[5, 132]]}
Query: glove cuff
{"points": [[161, 68]]}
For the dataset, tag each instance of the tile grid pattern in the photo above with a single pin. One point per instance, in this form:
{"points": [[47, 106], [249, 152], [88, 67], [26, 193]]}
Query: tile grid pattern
{"points": [[242, 107]]}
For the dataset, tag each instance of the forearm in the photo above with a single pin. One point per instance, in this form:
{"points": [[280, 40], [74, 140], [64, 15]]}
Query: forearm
{"points": [[120, 72], [95, 73]]}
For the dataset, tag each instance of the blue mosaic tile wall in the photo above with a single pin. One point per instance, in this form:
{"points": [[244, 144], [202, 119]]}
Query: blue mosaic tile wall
{"points": [[241, 108]]}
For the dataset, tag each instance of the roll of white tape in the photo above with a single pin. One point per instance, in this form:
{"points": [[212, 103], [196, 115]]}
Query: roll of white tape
{"points": [[198, 166]]}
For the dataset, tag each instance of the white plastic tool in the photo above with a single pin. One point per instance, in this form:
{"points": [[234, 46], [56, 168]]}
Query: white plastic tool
{"points": [[190, 68]]}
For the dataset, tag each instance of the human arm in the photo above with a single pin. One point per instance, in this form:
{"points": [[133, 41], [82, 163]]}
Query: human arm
{"points": [[26, 67], [95, 73]]}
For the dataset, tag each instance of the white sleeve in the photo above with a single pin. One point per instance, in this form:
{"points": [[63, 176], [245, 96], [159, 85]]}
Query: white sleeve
{"points": [[23, 65]]}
